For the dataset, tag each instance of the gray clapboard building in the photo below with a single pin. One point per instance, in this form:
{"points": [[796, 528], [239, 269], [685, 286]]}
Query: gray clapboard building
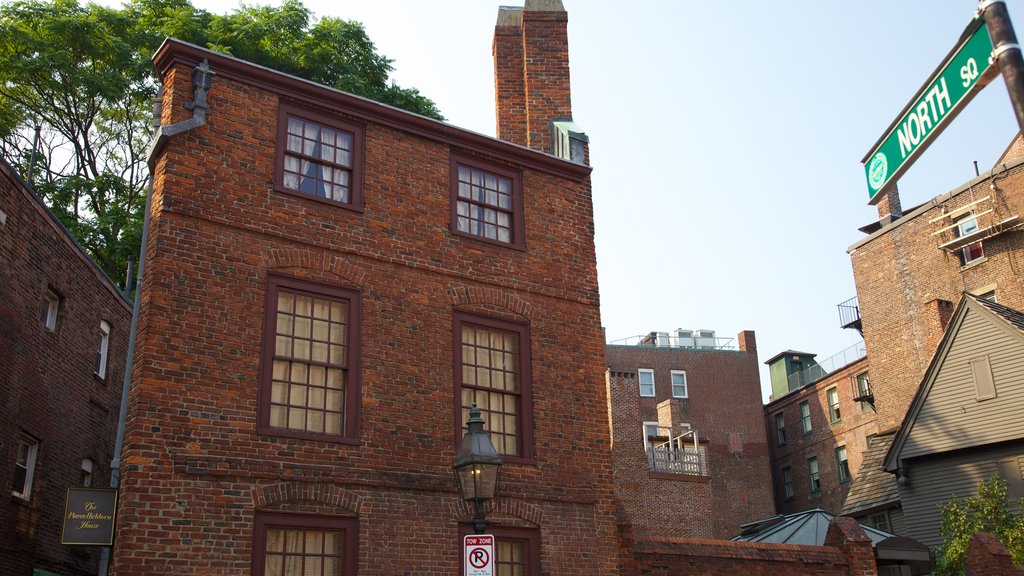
{"points": [[965, 422]]}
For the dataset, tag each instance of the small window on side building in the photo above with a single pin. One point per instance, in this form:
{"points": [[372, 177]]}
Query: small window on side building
{"points": [[85, 480], [780, 429], [102, 348], [24, 467], [645, 376], [973, 251], [679, 384], [812, 470], [834, 414], [787, 484], [51, 308], [805, 417], [843, 465]]}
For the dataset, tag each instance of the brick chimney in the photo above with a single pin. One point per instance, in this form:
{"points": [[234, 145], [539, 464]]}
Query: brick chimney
{"points": [[889, 208], [531, 72]]}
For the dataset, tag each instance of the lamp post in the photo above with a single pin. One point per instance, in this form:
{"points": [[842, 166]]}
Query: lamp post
{"points": [[476, 468]]}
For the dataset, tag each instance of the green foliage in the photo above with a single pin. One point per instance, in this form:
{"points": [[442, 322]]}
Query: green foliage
{"points": [[83, 73], [989, 511]]}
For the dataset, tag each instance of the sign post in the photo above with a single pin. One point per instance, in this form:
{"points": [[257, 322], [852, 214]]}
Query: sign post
{"points": [[962, 74], [478, 551]]}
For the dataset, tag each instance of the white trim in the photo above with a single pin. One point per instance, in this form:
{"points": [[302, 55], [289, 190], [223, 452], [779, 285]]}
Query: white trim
{"points": [[29, 465], [640, 383], [104, 347], [686, 387], [51, 309]]}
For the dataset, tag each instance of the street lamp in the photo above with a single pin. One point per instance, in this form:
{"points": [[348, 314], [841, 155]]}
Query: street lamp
{"points": [[476, 468]]}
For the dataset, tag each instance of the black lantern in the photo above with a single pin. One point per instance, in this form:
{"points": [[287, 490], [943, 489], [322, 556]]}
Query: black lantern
{"points": [[476, 468]]}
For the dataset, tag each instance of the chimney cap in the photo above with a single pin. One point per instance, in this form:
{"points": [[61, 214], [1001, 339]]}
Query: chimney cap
{"points": [[544, 6], [510, 16]]}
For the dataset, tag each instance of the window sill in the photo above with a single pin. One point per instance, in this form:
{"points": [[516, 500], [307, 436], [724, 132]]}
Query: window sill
{"points": [[517, 246], [278, 434], [353, 207], [974, 263], [808, 433], [99, 379], [21, 500]]}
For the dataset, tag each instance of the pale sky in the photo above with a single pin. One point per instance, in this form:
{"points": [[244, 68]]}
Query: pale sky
{"points": [[726, 140]]}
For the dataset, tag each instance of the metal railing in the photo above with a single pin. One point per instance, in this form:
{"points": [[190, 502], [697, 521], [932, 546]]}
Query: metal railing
{"points": [[669, 340], [849, 313], [818, 371], [678, 455]]}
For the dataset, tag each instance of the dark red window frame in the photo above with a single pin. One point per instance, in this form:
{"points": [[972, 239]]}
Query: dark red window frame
{"points": [[356, 131], [352, 395], [525, 453], [349, 527], [528, 536], [516, 210]]}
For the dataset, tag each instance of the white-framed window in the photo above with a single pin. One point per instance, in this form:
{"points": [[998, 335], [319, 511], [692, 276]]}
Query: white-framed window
{"points": [[834, 413], [973, 251], [102, 348], [646, 378], [25, 467], [843, 465], [679, 384], [805, 417], [812, 469], [650, 429], [51, 306], [86, 476], [880, 520]]}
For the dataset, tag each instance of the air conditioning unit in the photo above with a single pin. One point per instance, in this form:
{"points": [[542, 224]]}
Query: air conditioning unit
{"points": [[705, 338], [685, 339], [656, 339]]}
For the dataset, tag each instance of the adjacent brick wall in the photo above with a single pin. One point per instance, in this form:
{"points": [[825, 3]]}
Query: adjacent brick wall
{"points": [[847, 550], [724, 406], [900, 270], [851, 431], [197, 469], [987, 556], [47, 385]]}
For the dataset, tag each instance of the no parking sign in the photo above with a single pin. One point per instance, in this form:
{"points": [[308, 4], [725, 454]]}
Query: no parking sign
{"points": [[478, 550]]}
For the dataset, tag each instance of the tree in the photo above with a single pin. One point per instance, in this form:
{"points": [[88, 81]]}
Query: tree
{"points": [[83, 75], [989, 511]]}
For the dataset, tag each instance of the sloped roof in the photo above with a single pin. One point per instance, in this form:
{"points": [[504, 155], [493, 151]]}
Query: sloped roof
{"points": [[808, 528], [873, 487], [1011, 319]]}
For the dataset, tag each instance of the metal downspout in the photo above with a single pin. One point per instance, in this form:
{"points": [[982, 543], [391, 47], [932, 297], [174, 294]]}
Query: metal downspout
{"points": [[202, 79]]}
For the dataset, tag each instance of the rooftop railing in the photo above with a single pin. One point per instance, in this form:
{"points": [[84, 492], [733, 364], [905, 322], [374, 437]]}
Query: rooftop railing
{"points": [[818, 371]]}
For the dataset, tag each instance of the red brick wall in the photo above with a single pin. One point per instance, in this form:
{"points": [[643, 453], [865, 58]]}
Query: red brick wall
{"points": [[987, 555], [900, 270], [47, 384], [851, 431], [724, 406], [197, 469], [847, 550]]}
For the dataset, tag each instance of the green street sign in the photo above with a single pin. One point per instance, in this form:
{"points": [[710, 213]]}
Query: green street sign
{"points": [[960, 76]]}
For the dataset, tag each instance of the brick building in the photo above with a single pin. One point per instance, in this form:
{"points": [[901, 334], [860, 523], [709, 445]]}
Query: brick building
{"points": [[63, 337], [818, 433], [329, 284], [687, 436], [912, 267]]}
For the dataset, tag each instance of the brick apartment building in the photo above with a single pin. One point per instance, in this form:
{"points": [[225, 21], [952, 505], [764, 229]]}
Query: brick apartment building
{"points": [[912, 267], [818, 433], [63, 337], [687, 437], [329, 284]]}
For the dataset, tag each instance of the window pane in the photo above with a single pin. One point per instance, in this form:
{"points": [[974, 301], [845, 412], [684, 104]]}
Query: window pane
{"points": [[490, 378]]}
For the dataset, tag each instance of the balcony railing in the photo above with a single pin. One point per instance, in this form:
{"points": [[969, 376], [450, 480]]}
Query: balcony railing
{"points": [[818, 371], [679, 455], [668, 340], [849, 314]]}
